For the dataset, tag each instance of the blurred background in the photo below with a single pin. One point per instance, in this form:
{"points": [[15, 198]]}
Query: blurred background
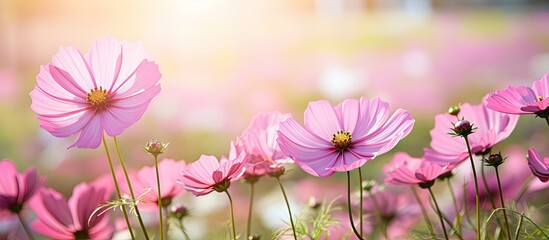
{"points": [[225, 61]]}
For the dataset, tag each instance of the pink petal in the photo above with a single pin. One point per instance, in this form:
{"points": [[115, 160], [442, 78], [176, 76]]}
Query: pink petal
{"points": [[349, 114], [321, 120], [71, 61], [44, 228], [50, 86], [7, 178], [51, 208], [104, 61], [145, 76], [64, 126], [373, 114], [133, 55], [541, 87], [511, 100], [91, 134]]}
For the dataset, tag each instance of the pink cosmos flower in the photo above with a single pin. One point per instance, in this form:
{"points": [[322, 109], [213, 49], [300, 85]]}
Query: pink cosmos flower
{"points": [[144, 181], [522, 99], [16, 189], [208, 174], [59, 219], [408, 170], [492, 128], [344, 137], [263, 155], [106, 90], [538, 166]]}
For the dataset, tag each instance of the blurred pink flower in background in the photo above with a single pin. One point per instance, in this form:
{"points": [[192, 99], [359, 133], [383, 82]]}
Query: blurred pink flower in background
{"points": [[59, 219], [522, 99], [207, 174], [408, 170], [16, 189], [492, 128], [258, 141], [107, 89], [398, 210], [144, 181], [344, 137], [538, 166]]}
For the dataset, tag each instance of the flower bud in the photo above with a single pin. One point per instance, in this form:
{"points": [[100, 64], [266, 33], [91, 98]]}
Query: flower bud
{"points": [[427, 184], [222, 186], [494, 160], [179, 211], [276, 170], [463, 128], [454, 110], [155, 147]]}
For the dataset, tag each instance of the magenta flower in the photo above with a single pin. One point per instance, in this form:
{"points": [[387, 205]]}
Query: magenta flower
{"points": [[408, 170], [342, 138], [491, 128], [208, 174], [106, 90], [538, 166], [59, 219], [144, 182], [16, 189], [263, 155], [522, 99]]}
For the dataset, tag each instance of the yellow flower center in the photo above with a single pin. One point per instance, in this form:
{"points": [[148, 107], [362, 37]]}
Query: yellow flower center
{"points": [[98, 97], [540, 98], [342, 140]]}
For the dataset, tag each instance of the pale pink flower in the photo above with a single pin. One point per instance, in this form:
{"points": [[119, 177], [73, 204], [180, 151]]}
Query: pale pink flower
{"points": [[491, 126], [144, 183], [106, 90], [263, 155], [538, 166], [59, 219], [522, 99], [408, 170], [16, 189], [342, 138], [207, 174]]}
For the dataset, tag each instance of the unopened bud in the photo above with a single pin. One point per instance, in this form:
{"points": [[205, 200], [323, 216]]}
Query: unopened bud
{"points": [[155, 147]]}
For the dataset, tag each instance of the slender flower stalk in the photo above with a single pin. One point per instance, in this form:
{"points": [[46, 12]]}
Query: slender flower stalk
{"points": [[232, 214], [249, 225], [477, 200], [159, 198], [424, 212], [503, 205], [130, 188], [486, 187], [349, 206], [119, 195], [288, 206], [439, 213], [456, 209], [361, 197], [25, 226]]}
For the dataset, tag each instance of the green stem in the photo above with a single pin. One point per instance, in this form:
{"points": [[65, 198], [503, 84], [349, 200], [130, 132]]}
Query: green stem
{"points": [[503, 205], [249, 226], [232, 214], [456, 209], [183, 230], [349, 206], [477, 200], [424, 213], [288, 206], [490, 196], [361, 199], [117, 188], [522, 215], [439, 213], [517, 231], [25, 226], [547, 120], [160, 219], [130, 188], [524, 187]]}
